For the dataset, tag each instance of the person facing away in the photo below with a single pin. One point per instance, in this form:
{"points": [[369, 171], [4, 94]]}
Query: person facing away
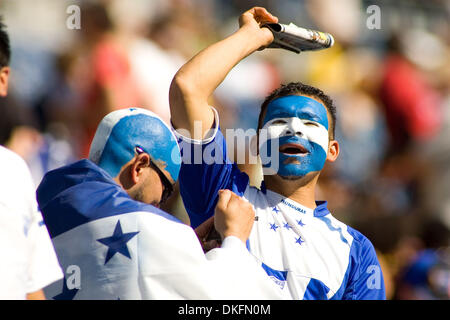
{"points": [[28, 259], [115, 243], [295, 239]]}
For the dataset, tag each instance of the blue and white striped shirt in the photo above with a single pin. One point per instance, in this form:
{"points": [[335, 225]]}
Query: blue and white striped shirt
{"points": [[308, 253]]}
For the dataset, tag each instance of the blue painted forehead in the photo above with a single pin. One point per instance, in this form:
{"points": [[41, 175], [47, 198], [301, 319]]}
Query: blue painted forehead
{"points": [[133, 129], [297, 106]]}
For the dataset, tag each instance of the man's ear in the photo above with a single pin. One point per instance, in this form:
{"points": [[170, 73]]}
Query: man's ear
{"points": [[140, 162], [4, 75], [333, 151]]}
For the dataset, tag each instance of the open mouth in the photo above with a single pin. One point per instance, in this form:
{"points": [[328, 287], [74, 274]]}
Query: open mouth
{"points": [[293, 149]]}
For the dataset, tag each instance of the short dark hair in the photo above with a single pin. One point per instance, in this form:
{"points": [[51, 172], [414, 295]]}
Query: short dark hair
{"points": [[293, 88], [5, 50]]}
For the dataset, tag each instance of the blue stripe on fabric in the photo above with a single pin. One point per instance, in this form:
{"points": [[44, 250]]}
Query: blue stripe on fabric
{"points": [[82, 192], [316, 290], [345, 291], [280, 275], [354, 284], [330, 226]]}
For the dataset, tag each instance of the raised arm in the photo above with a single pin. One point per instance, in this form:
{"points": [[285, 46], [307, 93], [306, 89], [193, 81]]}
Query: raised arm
{"points": [[199, 77]]}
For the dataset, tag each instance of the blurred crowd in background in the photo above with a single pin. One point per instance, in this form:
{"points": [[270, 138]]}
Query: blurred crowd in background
{"points": [[391, 86]]}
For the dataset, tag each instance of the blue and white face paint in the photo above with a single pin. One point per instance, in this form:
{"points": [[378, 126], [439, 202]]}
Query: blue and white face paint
{"points": [[294, 137]]}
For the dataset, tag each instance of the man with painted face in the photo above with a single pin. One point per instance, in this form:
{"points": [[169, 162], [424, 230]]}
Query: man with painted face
{"points": [[114, 243], [295, 239]]}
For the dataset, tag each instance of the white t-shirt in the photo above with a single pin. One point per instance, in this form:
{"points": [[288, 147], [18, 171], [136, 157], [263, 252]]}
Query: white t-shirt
{"points": [[28, 259]]}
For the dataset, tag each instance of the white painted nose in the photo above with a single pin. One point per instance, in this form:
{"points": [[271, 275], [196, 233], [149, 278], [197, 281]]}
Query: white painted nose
{"points": [[295, 127]]}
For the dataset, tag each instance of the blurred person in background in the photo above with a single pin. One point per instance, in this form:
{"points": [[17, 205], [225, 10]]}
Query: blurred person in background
{"points": [[388, 83], [435, 65], [426, 276], [99, 63], [412, 105], [415, 170], [118, 62], [20, 132], [28, 258], [33, 131]]}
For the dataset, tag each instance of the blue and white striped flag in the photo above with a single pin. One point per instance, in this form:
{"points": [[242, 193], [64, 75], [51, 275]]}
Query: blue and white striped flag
{"points": [[112, 247]]}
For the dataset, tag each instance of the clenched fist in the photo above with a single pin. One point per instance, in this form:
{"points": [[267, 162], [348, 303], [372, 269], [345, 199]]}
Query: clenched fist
{"points": [[254, 19], [234, 216]]}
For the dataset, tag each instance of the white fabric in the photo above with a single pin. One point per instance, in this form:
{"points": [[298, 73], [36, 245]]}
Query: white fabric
{"points": [[166, 262], [323, 255], [28, 260], [209, 135]]}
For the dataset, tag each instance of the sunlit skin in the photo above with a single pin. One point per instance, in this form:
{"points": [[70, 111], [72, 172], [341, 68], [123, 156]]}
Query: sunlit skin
{"points": [[140, 181], [4, 77]]}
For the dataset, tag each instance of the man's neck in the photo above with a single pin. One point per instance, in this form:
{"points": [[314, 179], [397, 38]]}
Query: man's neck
{"points": [[301, 191]]}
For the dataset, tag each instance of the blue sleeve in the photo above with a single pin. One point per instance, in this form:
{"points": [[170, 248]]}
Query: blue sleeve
{"points": [[366, 278], [206, 169]]}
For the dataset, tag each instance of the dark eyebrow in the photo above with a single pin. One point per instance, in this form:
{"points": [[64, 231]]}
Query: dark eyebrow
{"points": [[303, 115], [281, 115], [309, 116]]}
